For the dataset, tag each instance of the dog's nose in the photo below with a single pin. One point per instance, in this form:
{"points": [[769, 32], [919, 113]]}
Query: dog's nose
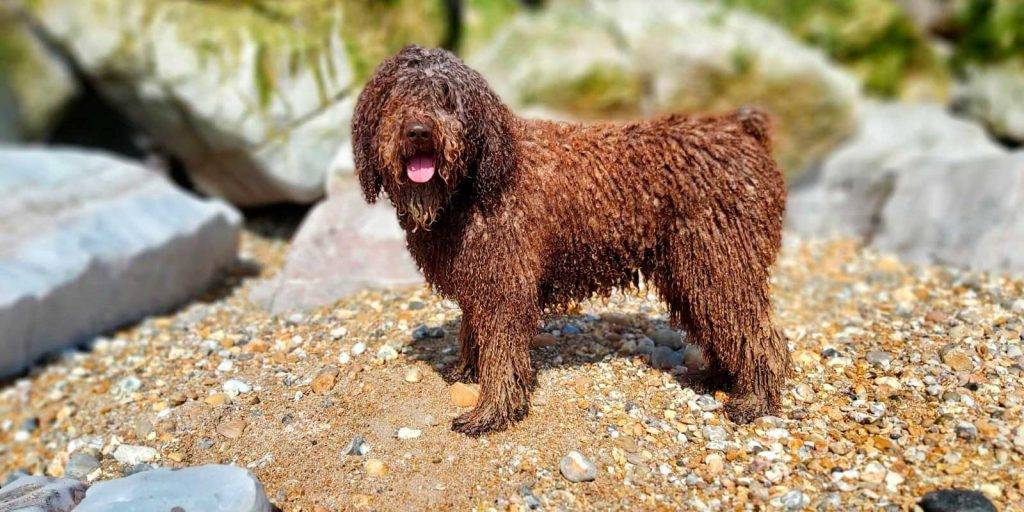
{"points": [[417, 132]]}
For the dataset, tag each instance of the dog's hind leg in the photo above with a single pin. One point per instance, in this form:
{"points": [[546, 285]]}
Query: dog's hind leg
{"points": [[503, 331], [465, 369]]}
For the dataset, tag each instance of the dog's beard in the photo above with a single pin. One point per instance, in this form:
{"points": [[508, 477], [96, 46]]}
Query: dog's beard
{"points": [[422, 204]]}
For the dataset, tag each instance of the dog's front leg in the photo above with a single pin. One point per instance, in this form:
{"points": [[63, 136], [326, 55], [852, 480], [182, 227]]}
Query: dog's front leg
{"points": [[506, 376], [465, 369]]}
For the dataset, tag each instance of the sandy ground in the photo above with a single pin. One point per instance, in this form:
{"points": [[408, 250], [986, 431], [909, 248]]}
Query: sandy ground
{"points": [[908, 379]]}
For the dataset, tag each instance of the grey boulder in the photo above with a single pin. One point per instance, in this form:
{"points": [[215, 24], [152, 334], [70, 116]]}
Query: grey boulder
{"points": [[920, 183], [211, 487], [41, 494], [89, 242]]}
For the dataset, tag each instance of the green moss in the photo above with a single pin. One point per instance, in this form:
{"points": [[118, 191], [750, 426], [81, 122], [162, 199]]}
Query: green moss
{"points": [[600, 93], [482, 19], [987, 31], [875, 38]]}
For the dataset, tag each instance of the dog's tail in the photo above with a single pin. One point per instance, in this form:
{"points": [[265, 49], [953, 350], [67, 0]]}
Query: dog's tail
{"points": [[757, 123]]}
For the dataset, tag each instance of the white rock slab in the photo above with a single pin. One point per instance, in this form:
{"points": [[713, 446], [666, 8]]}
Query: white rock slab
{"points": [[213, 487], [41, 494], [89, 242]]}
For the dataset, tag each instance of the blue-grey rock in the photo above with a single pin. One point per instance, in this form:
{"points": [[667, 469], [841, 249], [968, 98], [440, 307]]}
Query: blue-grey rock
{"points": [[81, 465], [41, 494], [667, 338], [212, 487], [570, 329], [956, 500], [664, 358], [89, 242]]}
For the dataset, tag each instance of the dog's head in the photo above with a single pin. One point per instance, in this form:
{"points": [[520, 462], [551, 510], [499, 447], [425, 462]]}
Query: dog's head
{"points": [[427, 127]]}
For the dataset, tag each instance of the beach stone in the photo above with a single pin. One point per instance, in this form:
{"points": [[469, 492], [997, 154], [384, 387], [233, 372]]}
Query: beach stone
{"points": [[879, 358], [387, 353], [634, 58], [666, 338], [210, 487], [577, 468], [357, 446], [693, 358], [413, 375], [406, 433], [81, 465], [375, 467], [231, 429], [324, 381], [994, 94], [79, 225], [131, 454], [464, 395], [664, 358], [543, 339], [955, 500], [268, 118], [41, 494], [343, 246]]}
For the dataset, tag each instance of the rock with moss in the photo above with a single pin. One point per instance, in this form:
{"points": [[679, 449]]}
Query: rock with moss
{"points": [[254, 96], [627, 59], [34, 84], [994, 94]]}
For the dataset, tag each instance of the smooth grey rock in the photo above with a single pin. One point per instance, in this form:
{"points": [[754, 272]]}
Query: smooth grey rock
{"points": [[261, 117], [667, 338], [664, 358], [89, 242], [194, 489], [924, 185], [41, 494], [342, 247], [634, 58], [81, 465], [956, 500]]}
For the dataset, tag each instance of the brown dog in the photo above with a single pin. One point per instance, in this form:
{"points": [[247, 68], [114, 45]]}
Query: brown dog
{"points": [[509, 216]]}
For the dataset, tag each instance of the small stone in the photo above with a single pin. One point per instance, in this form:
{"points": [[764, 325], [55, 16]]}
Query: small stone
{"points": [[375, 467], [231, 429], [41, 494], [804, 392], [338, 333], [235, 387], [406, 433], [358, 348], [413, 375], [143, 428], [225, 366], [205, 443], [793, 500], [464, 395], [543, 340], [645, 345], [570, 330], [210, 487], [958, 360], [126, 386], [879, 358], [955, 500], [693, 359], [423, 332], [324, 381], [81, 465], [357, 447], [714, 463], [664, 358], [577, 468], [216, 399], [1017, 307], [387, 353], [967, 431], [714, 433], [131, 454], [666, 338]]}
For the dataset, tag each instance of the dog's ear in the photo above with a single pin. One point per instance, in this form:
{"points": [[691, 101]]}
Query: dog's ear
{"points": [[490, 124], [366, 124]]}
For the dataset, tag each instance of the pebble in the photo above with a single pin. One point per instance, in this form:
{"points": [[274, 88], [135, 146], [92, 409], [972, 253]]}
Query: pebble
{"points": [[344, 358], [375, 467], [387, 353], [543, 340], [577, 468], [225, 366], [804, 392], [793, 500], [406, 433], [664, 358], [339, 333], [967, 431], [81, 465], [132, 454], [644, 346], [714, 463], [216, 399], [879, 358], [666, 338], [231, 429], [464, 395], [570, 329], [357, 447], [42, 494], [958, 360], [358, 348], [211, 487], [413, 375], [693, 358], [955, 500], [126, 386], [235, 387], [324, 381], [423, 332]]}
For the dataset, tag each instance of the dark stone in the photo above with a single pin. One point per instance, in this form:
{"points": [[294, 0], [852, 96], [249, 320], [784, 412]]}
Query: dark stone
{"points": [[956, 500]]}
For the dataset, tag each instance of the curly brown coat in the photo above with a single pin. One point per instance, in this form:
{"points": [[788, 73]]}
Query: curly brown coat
{"points": [[510, 216]]}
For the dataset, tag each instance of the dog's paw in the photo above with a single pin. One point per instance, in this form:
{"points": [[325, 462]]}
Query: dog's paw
{"points": [[462, 372], [479, 422], [743, 409]]}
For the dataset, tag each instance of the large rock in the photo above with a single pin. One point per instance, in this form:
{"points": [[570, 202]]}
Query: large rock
{"points": [[89, 242], [920, 183], [994, 94], [41, 494], [632, 58], [344, 245], [203, 488], [34, 84], [253, 96]]}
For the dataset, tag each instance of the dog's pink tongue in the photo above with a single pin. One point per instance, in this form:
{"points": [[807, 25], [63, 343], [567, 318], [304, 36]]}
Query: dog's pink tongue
{"points": [[420, 169]]}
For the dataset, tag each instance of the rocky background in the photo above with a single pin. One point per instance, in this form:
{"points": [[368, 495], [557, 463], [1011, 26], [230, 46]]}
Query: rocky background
{"points": [[189, 277]]}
